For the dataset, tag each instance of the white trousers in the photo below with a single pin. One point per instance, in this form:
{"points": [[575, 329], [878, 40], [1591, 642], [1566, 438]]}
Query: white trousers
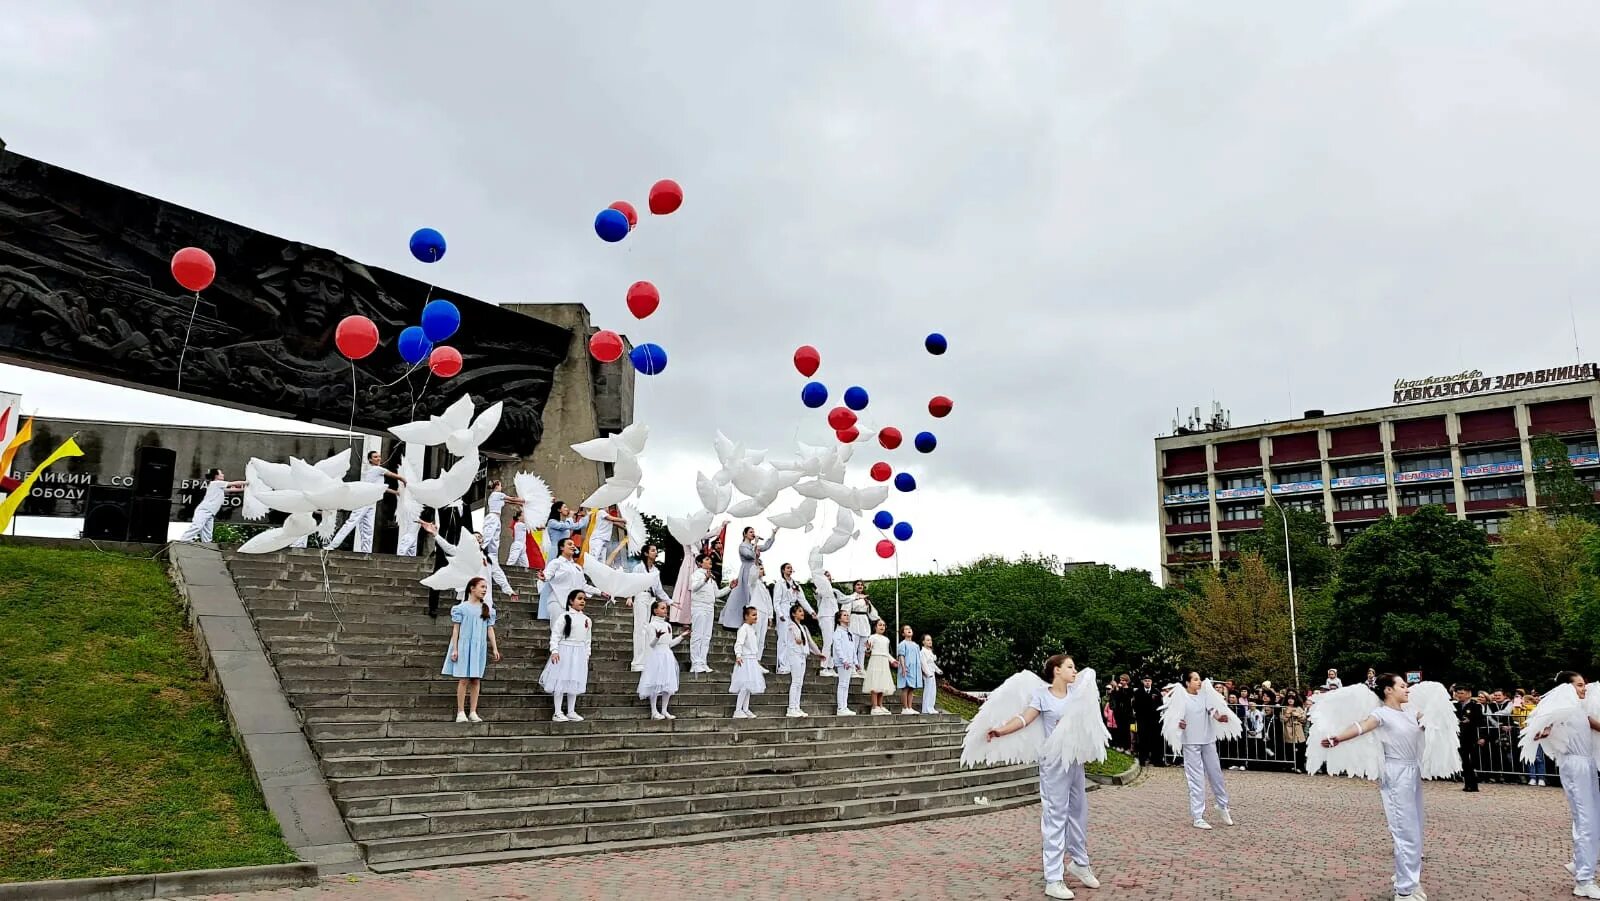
{"points": [[405, 544], [930, 691], [700, 621], [1583, 797], [200, 529], [1201, 766], [641, 618], [1063, 817], [797, 681], [861, 652], [844, 689], [360, 522], [491, 534], [763, 619], [827, 646], [518, 555], [1401, 788]]}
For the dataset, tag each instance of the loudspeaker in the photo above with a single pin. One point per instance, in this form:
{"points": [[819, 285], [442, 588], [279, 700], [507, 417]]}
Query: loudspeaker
{"points": [[105, 512], [152, 471], [148, 519]]}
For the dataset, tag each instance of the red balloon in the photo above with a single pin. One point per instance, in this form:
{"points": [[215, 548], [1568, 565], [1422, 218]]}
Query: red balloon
{"points": [[885, 549], [193, 268], [444, 361], [627, 210], [807, 360], [848, 436], [880, 472], [840, 418], [665, 197], [889, 437], [605, 345], [940, 406], [356, 337], [643, 298]]}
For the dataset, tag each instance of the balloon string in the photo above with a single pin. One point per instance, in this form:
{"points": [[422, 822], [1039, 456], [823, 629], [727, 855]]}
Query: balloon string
{"points": [[406, 377], [419, 396], [352, 428], [186, 332]]}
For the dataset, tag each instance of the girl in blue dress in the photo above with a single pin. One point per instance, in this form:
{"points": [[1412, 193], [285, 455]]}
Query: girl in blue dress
{"points": [[472, 643], [910, 654]]}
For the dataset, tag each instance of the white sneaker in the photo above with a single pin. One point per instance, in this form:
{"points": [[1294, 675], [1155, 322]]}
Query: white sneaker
{"points": [[558, 717], [668, 716], [474, 718], [1201, 824], [880, 711], [574, 718], [803, 713], [1057, 890], [1571, 870], [844, 711], [460, 717], [830, 673], [1586, 890], [1084, 875], [793, 713], [907, 711], [1227, 818], [658, 716]]}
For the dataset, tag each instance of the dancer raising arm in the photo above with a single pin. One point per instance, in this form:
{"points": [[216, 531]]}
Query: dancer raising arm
{"points": [[491, 517], [1055, 720], [1566, 725], [749, 557]]}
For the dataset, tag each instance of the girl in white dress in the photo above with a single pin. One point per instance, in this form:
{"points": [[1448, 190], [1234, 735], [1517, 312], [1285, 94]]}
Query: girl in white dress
{"points": [[747, 678], [659, 681], [566, 674], [879, 681], [930, 674], [641, 605]]}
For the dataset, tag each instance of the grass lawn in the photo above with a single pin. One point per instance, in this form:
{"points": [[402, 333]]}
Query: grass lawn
{"points": [[114, 754], [1115, 763]]}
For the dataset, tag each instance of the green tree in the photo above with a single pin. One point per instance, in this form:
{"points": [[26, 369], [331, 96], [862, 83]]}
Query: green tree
{"points": [[1556, 484], [1538, 572], [1238, 624], [1416, 592], [1313, 559]]}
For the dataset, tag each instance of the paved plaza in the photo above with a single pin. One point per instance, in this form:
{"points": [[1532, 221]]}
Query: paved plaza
{"points": [[1298, 837]]}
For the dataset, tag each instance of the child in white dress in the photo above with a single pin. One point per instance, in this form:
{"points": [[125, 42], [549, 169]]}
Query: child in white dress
{"points": [[659, 680], [930, 674], [747, 677], [880, 681], [566, 674]]}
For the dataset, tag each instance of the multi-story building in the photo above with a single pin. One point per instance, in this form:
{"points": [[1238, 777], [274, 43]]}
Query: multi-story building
{"points": [[1462, 442]]}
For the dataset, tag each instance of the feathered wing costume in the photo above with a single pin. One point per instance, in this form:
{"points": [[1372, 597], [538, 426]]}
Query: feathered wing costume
{"points": [[1081, 736], [1334, 712], [1003, 704], [1553, 710], [1172, 713], [1441, 730]]}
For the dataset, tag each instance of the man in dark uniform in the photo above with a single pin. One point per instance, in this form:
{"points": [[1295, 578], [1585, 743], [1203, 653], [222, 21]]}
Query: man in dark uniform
{"points": [[1122, 709], [1470, 714], [1147, 713]]}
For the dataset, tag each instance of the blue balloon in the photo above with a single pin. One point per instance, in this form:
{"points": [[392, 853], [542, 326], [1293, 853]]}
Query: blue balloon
{"points": [[440, 319], [902, 531], [925, 442], [414, 345], [905, 482], [649, 359], [855, 397], [814, 394], [882, 519], [936, 344], [611, 225], [427, 245]]}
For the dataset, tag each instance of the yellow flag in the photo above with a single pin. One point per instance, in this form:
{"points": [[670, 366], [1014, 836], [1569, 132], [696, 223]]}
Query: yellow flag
{"points": [[23, 436], [8, 507]]}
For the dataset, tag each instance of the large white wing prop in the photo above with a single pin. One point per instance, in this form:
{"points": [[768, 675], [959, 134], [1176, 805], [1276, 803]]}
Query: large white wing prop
{"points": [[1333, 712], [1441, 730], [1081, 735], [1172, 705], [1233, 726], [536, 497], [1554, 710], [638, 535], [1004, 703]]}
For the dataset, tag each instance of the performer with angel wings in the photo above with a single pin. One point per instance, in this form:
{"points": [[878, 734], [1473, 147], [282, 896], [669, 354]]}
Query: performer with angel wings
{"points": [[1056, 721], [1566, 724], [1193, 717], [1417, 739]]}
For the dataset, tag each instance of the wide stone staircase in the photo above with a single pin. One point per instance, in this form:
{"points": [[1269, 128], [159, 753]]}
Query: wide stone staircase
{"points": [[360, 660]]}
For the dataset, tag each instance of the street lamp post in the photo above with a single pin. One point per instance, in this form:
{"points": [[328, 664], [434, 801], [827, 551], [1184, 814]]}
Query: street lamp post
{"points": [[1288, 569]]}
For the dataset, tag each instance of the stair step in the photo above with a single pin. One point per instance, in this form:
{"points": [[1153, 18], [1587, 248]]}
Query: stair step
{"points": [[646, 733]]}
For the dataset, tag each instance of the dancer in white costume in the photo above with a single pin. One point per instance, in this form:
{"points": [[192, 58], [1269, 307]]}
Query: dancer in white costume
{"points": [[747, 679], [205, 513], [492, 511], [361, 520], [703, 595], [1056, 721], [828, 601], [566, 674], [641, 607], [1566, 725], [786, 594], [1417, 733], [562, 576], [930, 675], [844, 659], [794, 646], [1193, 717], [517, 555], [862, 618], [659, 681]]}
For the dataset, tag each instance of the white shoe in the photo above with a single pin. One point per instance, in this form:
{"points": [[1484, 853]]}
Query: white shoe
{"points": [[474, 718], [1227, 818], [574, 718], [1586, 890], [844, 711], [1571, 870], [1084, 875], [880, 711], [792, 713], [802, 713], [1057, 890], [1201, 824], [460, 717], [763, 669], [783, 672], [558, 717], [830, 673], [658, 716], [668, 716], [907, 711]]}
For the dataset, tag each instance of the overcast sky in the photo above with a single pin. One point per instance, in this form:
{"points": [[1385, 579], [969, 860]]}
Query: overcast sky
{"points": [[1112, 210]]}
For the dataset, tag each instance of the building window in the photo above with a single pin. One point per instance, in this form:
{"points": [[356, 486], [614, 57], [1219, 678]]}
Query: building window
{"points": [[1348, 532], [1310, 504], [1191, 516], [1497, 455], [1576, 446], [1590, 477], [1292, 476], [1186, 487], [1195, 546], [1377, 500], [1432, 496], [1490, 524], [1490, 491], [1420, 464], [1233, 483], [1241, 512], [1230, 541], [1352, 470]]}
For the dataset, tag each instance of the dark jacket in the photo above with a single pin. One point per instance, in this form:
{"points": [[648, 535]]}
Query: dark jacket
{"points": [[1470, 715]]}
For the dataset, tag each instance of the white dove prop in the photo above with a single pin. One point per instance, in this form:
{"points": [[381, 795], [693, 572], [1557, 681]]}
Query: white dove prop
{"points": [[604, 450], [454, 428], [844, 532], [297, 526], [714, 497], [623, 484], [447, 487], [407, 508], [798, 518], [463, 566], [691, 529]]}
